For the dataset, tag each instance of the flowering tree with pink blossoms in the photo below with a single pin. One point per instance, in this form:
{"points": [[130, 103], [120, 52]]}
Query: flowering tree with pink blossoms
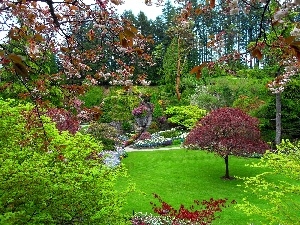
{"points": [[34, 28]]}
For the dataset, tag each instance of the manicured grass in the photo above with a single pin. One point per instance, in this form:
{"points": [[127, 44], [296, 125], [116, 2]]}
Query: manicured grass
{"points": [[182, 176]]}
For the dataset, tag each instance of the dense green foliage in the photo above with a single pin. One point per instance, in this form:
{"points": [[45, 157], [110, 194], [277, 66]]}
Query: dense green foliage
{"points": [[93, 97], [185, 116], [46, 176], [225, 90], [118, 107]]}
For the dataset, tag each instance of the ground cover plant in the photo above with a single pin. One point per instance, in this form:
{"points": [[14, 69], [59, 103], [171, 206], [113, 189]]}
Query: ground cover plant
{"points": [[181, 176]]}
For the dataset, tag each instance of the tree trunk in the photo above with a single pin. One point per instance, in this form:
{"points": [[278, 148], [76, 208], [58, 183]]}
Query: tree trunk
{"points": [[227, 168], [178, 94], [278, 119]]}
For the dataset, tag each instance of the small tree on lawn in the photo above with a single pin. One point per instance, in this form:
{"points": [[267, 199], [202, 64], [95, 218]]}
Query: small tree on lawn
{"points": [[227, 131]]}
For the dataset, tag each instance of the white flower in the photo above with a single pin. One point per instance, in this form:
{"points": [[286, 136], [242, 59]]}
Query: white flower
{"points": [[295, 32], [183, 11], [128, 82], [94, 81], [146, 83], [185, 24]]}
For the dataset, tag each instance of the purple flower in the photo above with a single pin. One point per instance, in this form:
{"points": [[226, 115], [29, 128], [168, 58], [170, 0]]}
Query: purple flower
{"points": [[140, 111]]}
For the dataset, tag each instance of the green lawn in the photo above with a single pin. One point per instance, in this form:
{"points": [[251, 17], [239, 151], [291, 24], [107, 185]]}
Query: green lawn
{"points": [[181, 176]]}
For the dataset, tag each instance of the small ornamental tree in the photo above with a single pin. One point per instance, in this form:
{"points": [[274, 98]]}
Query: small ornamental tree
{"points": [[227, 131]]}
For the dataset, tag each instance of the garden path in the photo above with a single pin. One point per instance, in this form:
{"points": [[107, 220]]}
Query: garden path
{"points": [[129, 149]]}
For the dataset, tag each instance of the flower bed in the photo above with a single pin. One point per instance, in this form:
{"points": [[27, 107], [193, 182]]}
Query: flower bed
{"points": [[153, 142], [149, 219], [161, 139]]}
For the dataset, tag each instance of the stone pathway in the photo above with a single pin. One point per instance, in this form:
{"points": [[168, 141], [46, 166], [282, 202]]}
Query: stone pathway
{"points": [[129, 149]]}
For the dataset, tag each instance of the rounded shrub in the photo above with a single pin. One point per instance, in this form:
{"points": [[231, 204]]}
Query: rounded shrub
{"points": [[107, 134], [145, 135], [118, 107], [185, 116]]}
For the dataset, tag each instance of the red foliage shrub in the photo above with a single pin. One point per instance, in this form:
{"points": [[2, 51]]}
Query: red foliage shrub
{"points": [[227, 131], [204, 215], [145, 135], [64, 120]]}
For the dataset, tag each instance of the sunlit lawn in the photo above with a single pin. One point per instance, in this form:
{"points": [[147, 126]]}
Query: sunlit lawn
{"points": [[181, 176]]}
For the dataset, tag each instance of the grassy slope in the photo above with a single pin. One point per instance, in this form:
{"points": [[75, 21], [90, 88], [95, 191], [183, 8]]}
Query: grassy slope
{"points": [[181, 176]]}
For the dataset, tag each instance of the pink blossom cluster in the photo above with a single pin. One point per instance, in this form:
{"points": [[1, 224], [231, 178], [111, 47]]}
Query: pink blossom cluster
{"points": [[291, 69], [141, 110]]}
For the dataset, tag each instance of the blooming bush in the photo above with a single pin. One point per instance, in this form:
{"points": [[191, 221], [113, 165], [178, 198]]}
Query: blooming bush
{"points": [[140, 111], [64, 120], [105, 133], [173, 133], [123, 137]]}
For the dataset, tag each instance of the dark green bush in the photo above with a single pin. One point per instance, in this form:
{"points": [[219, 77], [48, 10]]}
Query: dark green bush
{"points": [[127, 126], [118, 107], [93, 97]]}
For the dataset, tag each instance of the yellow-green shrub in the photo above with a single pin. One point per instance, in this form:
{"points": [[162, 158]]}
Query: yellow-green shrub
{"points": [[47, 178], [186, 116]]}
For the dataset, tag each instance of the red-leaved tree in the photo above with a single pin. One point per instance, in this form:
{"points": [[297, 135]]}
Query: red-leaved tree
{"points": [[227, 131]]}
